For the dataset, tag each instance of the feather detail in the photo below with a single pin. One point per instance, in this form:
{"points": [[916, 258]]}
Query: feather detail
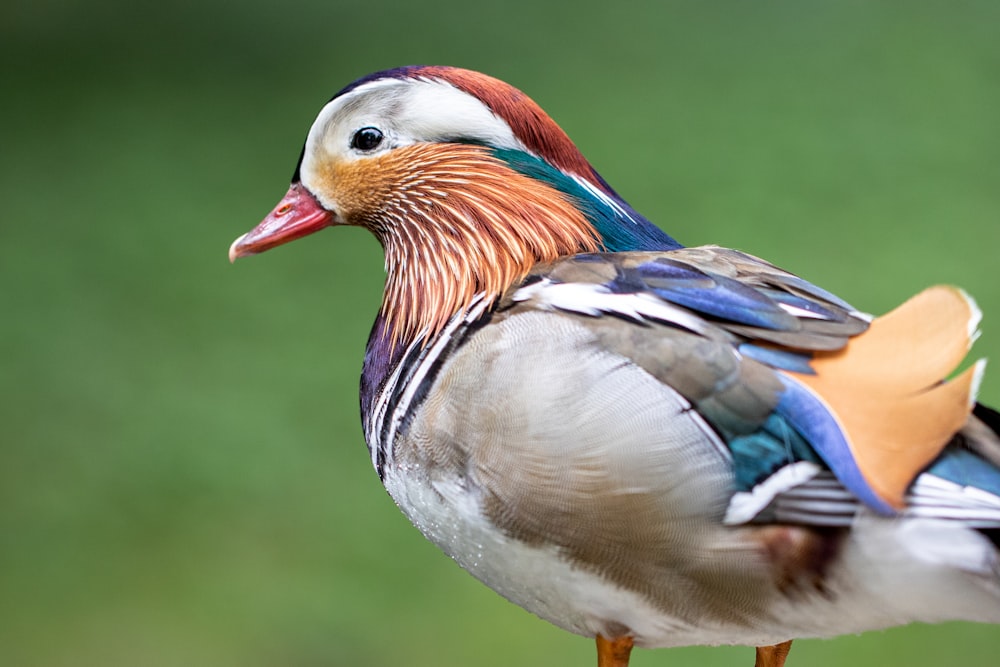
{"points": [[454, 221], [907, 413], [529, 122]]}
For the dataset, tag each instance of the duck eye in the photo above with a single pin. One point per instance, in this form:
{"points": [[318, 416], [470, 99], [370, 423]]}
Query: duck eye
{"points": [[367, 138]]}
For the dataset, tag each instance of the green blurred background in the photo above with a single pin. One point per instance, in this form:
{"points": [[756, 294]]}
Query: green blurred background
{"points": [[183, 479]]}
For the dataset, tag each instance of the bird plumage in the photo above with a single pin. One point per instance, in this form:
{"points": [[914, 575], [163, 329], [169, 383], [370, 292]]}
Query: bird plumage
{"points": [[635, 440]]}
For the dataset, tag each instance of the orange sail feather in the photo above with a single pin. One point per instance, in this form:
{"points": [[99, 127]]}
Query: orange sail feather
{"points": [[887, 387]]}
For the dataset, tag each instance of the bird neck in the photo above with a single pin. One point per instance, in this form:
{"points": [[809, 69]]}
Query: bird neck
{"points": [[469, 221], [463, 223], [619, 226]]}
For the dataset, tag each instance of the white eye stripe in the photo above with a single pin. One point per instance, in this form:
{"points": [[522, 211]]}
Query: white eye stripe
{"points": [[406, 111]]}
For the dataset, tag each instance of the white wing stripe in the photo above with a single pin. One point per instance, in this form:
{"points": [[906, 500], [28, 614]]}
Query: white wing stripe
{"points": [[820, 500], [593, 300]]}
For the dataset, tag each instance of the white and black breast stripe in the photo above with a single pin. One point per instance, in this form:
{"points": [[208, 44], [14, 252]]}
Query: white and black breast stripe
{"points": [[408, 383]]}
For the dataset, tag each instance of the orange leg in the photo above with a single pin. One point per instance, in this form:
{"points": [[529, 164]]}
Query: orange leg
{"points": [[613, 652], [773, 656]]}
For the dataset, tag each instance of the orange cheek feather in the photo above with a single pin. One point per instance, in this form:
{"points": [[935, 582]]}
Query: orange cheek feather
{"points": [[358, 188], [454, 221]]}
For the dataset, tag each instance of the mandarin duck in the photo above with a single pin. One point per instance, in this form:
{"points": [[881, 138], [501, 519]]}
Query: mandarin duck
{"points": [[644, 443]]}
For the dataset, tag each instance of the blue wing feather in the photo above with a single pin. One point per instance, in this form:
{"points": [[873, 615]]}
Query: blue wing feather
{"points": [[807, 305], [727, 298], [786, 360], [807, 415], [964, 468]]}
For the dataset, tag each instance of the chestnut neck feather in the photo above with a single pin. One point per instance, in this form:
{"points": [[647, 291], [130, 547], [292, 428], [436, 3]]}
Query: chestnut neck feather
{"points": [[456, 221]]}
